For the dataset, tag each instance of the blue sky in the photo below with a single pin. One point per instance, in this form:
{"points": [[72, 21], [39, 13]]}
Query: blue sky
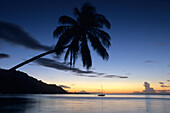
{"points": [[140, 35]]}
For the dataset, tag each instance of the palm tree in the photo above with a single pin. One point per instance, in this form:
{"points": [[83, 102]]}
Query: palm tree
{"points": [[74, 34]]}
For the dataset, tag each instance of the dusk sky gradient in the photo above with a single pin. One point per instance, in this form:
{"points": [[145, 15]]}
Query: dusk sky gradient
{"points": [[140, 38]]}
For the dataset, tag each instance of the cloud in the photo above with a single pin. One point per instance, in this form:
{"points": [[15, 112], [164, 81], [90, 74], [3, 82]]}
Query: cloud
{"points": [[92, 76], [115, 76], [148, 61], [162, 44], [161, 82], [3, 55], [63, 86], [15, 34], [83, 75], [148, 89], [164, 86], [61, 66], [78, 72]]}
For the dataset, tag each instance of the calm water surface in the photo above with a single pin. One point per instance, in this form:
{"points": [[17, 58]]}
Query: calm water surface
{"points": [[84, 103]]}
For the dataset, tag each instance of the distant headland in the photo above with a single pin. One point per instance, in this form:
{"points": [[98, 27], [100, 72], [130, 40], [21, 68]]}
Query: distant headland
{"points": [[16, 82]]}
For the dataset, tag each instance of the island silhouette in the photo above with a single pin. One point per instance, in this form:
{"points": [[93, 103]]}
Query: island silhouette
{"points": [[15, 82]]}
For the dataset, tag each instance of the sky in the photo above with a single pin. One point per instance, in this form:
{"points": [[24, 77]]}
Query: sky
{"points": [[139, 52]]}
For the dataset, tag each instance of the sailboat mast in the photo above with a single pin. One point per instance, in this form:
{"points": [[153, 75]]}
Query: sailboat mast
{"points": [[102, 88], [101, 94]]}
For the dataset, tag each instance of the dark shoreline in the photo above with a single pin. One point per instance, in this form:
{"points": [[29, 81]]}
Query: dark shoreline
{"points": [[17, 82]]}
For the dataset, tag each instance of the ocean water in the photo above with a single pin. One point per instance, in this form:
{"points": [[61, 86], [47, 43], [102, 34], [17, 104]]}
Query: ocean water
{"points": [[51, 103]]}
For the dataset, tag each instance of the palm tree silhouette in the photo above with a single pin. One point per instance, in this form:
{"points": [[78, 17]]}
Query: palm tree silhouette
{"points": [[74, 34]]}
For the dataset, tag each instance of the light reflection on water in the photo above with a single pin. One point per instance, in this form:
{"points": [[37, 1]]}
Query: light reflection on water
{"points": [[84, 103]]}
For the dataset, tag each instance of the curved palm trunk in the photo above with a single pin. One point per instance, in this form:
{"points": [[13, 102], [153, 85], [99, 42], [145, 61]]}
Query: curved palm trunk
{"points": [[32, 59]]}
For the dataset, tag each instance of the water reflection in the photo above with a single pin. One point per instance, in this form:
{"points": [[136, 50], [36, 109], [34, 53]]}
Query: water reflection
{"points": [[148, 104], [84, 104], [15, 104]]}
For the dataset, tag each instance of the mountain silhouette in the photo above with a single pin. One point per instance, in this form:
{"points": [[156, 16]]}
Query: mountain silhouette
{"points": [[16, 82]]}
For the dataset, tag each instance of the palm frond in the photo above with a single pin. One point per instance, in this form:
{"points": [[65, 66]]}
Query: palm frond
{"points": [[102, 20], [76, 12], [60, 30], [66, 55], [85, 54], [103, 36], [88, 8], [64, 40], [67, 20], [74, 32], [73, 50], [102, 33], [96, 44]]}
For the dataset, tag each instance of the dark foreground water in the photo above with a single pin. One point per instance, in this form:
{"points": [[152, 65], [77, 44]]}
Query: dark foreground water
{"points": [[84, 104]]}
